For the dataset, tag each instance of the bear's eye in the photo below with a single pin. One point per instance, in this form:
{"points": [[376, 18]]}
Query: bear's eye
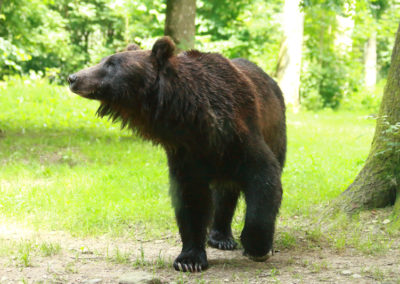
{"points": [[110, 64]]}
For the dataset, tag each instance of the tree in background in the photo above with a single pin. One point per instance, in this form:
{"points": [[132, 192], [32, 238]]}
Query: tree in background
{"points": [[378, 183], [289, 62], [325, 72], [372, 12], [370, 73], [180, 22]]}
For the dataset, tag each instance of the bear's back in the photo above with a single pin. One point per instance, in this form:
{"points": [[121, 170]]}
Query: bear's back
{"points": [[232, 96], [272, 107]]}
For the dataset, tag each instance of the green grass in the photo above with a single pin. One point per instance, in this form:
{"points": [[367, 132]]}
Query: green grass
{"points": [[21, 252], [24, 254], [61, 167], [50, 249]]}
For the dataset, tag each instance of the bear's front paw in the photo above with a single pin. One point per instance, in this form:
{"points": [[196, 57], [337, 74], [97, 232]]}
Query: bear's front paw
{"points": [[257, 241], [193, 260], [219, 241]]}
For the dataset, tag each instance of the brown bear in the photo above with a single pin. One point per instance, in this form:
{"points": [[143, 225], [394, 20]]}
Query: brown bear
{"points": [[222, 125]]}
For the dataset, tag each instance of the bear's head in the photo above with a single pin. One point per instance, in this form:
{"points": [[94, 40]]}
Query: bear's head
{"points": [[122, 76]]}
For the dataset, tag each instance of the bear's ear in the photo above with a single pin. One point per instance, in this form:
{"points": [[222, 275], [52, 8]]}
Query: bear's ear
{"points": [[163, 49], [132, 46]]}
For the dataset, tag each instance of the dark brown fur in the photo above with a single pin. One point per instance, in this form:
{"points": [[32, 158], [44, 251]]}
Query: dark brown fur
{"points": [[222, 124]]}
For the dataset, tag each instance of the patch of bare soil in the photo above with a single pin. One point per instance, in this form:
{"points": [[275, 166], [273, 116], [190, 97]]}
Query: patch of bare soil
{"points": [[104, 260]]}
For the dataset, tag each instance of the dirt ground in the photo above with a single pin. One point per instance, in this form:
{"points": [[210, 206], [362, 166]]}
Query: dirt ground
{"points": [[105, 260]]}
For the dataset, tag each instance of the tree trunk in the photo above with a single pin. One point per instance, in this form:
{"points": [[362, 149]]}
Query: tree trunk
{"points": [[343, 36], [180, 22], [289, 61], [378, 183], [370, 61]]}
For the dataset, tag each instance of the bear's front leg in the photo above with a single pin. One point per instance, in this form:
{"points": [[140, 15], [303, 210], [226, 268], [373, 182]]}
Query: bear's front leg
{"points": [[192, 200]]}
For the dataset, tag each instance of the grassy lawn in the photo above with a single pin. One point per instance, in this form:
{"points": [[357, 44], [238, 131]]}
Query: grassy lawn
{"points": [[63, 168]]}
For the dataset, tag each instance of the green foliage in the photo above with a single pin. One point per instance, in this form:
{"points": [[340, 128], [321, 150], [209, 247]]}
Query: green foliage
{"points": [[324, 84], [325, 68], [390, 146], [330, 75], [364, 99], [378, 7], [248, 29], [330, 5], [375, 16], [11, 56], [30, 34], [220, 18], [87, 21], [63, 36]]}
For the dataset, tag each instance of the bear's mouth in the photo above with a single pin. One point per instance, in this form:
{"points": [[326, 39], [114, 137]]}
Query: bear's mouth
{"points": [[87, 94]]}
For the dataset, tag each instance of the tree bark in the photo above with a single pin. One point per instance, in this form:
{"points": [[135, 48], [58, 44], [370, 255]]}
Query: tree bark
{"points": [[370, 62], [378, 183], [289, 61], [180, 22]]}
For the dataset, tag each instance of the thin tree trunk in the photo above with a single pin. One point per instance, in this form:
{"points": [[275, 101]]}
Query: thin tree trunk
{"points": [[370, 62], [289, 61], [180, 22], [343, 37], [378, 183]]}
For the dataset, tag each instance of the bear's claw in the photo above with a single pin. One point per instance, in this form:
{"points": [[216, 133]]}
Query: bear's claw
{"points": [[221, 241], [188, 267], [226, 244], [191, 261]]}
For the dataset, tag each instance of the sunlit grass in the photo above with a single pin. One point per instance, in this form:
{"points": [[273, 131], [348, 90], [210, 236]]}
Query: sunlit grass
{"points": [[61, 167]]}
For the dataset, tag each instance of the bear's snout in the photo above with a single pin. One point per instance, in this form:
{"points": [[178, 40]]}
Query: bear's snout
{"points": [[81, 84], [73, 84], [87, 81]]}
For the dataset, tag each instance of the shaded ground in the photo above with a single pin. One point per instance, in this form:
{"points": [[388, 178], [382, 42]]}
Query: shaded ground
{"points": [[76, 260]]}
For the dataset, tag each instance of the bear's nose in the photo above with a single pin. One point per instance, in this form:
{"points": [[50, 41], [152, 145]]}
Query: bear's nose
{"points": [[72, 78]]}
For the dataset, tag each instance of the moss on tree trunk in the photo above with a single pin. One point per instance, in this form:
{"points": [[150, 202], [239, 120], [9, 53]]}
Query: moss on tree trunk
{"points": [[378, 183]]}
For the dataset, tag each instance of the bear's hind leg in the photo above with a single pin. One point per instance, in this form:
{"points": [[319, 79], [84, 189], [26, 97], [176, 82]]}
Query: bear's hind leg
{"points": [[225, 200], [263, 194]]}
